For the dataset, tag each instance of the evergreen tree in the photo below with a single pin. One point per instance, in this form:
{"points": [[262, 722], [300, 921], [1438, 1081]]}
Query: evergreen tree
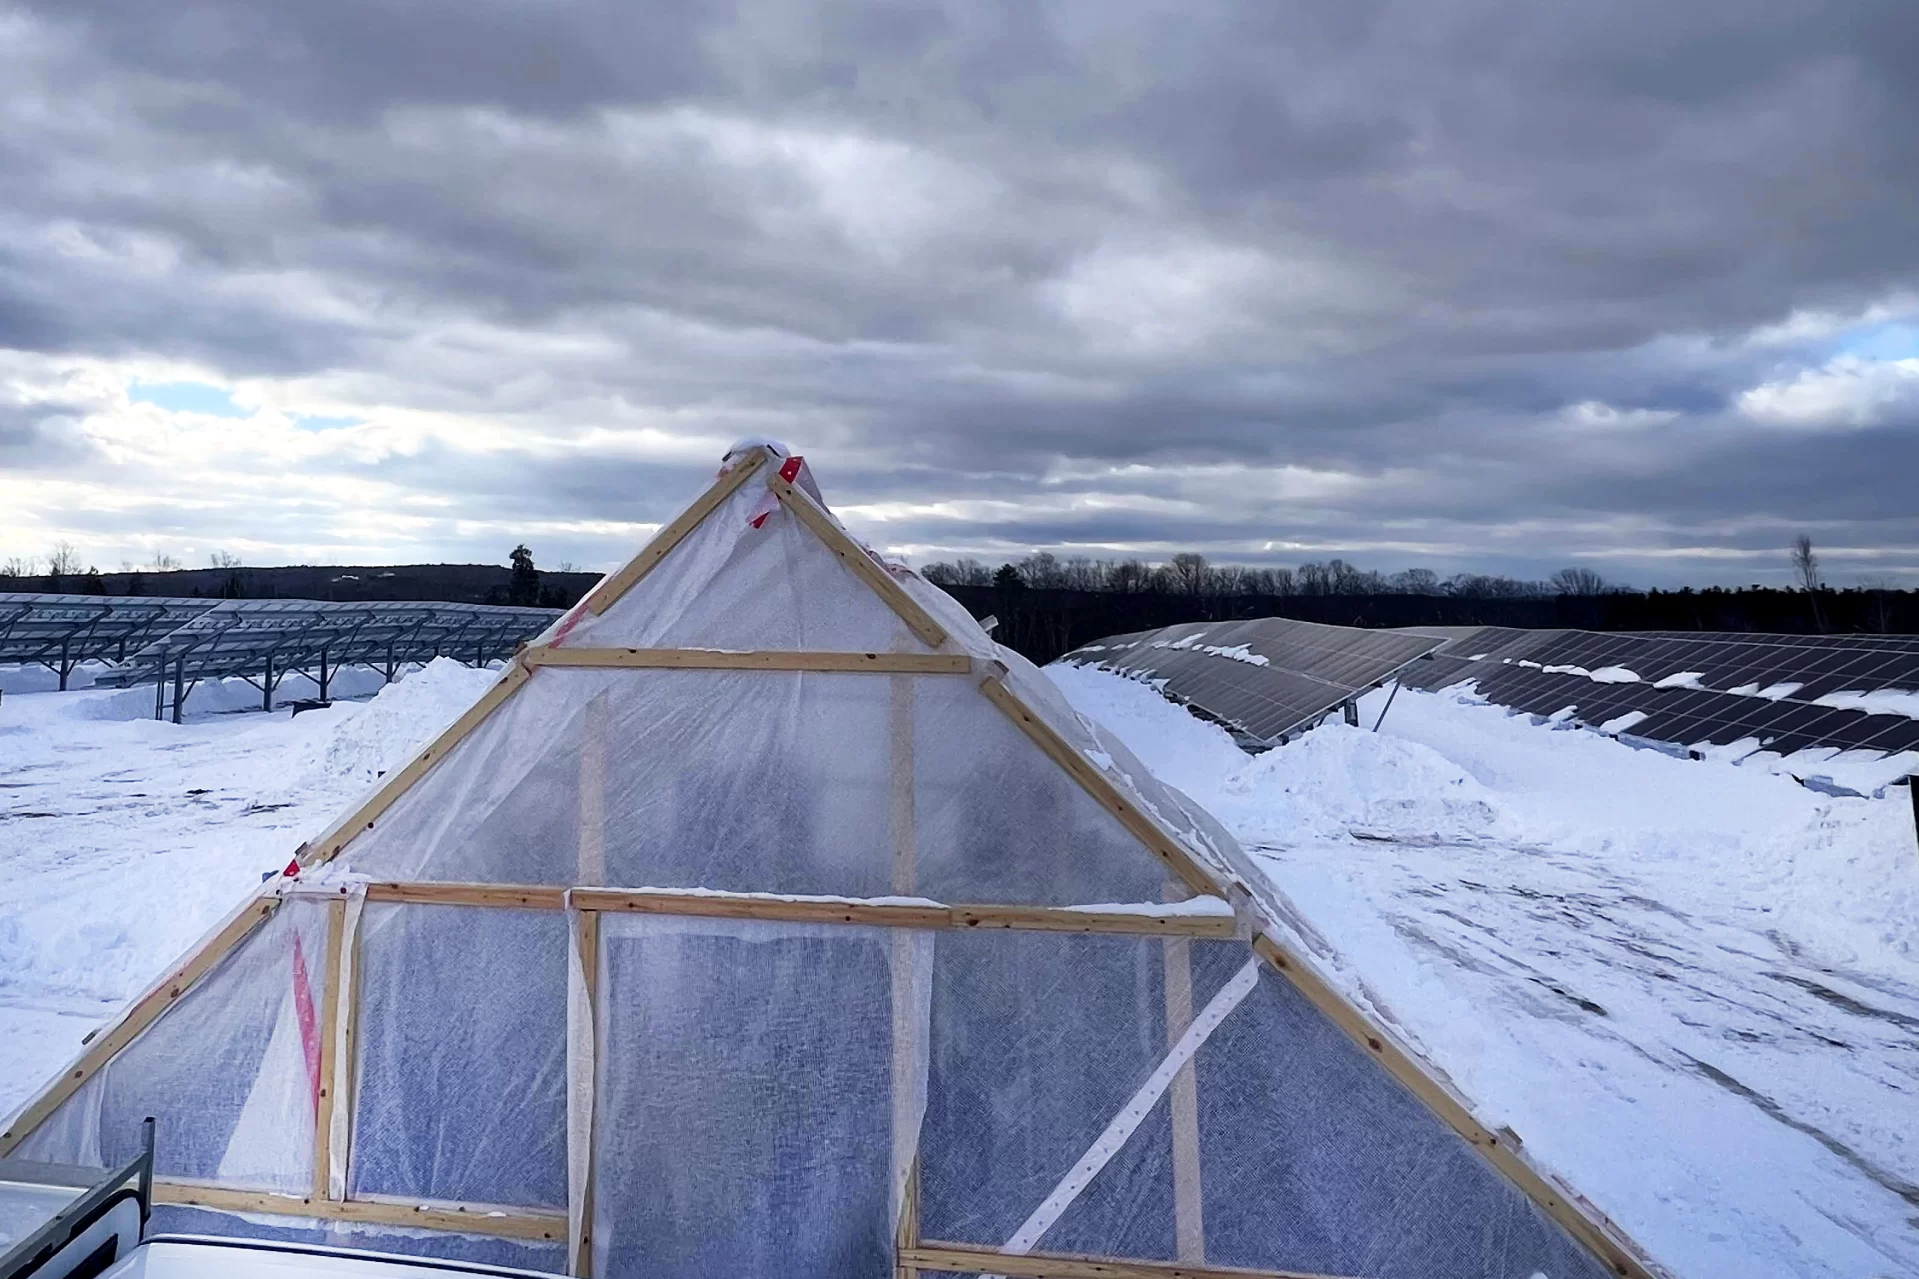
{"points": [[93, 583], [523, 583]]}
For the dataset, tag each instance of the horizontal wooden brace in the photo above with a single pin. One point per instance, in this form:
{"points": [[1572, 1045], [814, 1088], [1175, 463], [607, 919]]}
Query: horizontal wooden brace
{"points": [[959, 1258], [708, 659], [506, 896], [810, 910], [472, 1219]]}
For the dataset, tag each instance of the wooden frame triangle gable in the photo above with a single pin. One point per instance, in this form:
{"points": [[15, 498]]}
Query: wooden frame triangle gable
{"points": [[953, 653]]}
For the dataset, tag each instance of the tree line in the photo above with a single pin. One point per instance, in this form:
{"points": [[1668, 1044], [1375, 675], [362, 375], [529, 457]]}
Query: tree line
{"points": [[1191, 575]]}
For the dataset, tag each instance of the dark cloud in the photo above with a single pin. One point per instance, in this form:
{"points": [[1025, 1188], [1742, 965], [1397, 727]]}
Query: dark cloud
{"points": [[1372, 253]]}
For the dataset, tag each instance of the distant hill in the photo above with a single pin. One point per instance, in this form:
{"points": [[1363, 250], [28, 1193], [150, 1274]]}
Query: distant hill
{"points": [[453, 583]]}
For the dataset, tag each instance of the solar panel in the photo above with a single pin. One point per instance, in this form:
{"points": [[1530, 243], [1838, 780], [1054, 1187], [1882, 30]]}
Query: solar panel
{"points": [[62, 631], [1691, 689], [262, 640], [1265, 678]]}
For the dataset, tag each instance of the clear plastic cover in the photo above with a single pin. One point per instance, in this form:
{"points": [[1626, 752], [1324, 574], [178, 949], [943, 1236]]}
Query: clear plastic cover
{"points": [[731, 585], [460, 1093], [229, 1071], [756, 781], [748, 1118]]}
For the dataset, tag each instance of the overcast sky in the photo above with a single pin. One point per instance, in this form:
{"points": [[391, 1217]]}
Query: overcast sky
{"points": [[1442, 283]]}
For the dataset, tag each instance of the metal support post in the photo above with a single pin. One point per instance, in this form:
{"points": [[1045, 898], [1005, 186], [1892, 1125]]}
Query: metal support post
{"points": [[1912, 788], [1351, 712], [64, 667], [159, 694], [266, 686], [324, 676], [1388, 706], [179, 685]]}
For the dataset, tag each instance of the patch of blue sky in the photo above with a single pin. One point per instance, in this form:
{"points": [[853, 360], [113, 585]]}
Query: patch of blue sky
{"points": [[1895, 341], [309, 422], [186, 397]]}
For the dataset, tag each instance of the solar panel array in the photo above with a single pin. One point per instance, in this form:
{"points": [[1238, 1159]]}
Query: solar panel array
{"points": [[1265, 678], [62, 631], [1692, 689], [178, 641]]}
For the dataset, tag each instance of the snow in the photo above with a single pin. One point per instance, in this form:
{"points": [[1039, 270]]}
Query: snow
{"points": [[123, 839], [1691, 986], [1879, 701], [1683, 679]]}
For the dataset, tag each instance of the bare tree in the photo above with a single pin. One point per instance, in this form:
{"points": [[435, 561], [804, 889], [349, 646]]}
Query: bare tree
{"points": [[19, 566], [63, 560], [1805, 566], [1189, 573], [223, 559], [163, 563], [1578, 581]]}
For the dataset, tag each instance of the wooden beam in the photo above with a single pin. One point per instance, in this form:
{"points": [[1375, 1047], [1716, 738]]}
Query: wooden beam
{"points": [[329, 1035], [343, 831], [1053, 919], [1189, 1217], [612, 587], [137, 1018], [505, 896], [473, 1219], [1100, 787], [907, 1237], [1044, 919], [1578, 1219], [347, 1073], [580, 1250], [1056, 919], [959, 1258], [706, 659], [857, 558]]}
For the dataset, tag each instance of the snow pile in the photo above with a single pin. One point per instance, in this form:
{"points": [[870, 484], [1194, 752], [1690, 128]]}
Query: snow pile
{"points": [[361, 743], [1691, 986]]}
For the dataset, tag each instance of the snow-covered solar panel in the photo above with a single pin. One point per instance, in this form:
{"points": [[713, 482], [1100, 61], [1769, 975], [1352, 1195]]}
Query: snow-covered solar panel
{"points": [[1264, 677], [1785, 693], [62, 631], [260, 637]]}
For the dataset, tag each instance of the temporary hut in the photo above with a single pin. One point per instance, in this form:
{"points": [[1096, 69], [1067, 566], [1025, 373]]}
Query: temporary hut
{"points": [[766, 919]]}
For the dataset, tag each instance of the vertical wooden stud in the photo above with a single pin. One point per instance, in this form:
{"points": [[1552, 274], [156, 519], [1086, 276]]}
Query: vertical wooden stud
{"points": [[1188, 1202], [329, 1033]]}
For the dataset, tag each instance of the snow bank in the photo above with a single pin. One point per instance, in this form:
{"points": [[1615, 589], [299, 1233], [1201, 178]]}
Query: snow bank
{"points": [[361, 743]]}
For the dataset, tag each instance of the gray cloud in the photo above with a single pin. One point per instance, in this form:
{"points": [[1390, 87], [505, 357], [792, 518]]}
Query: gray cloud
{"points": [[960, 251]]}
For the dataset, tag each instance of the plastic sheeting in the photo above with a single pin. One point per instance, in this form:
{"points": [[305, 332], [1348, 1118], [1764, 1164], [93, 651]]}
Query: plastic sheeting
{"points": [[228, 1071], [755, 781], [746, 1123], [782, 589], [461, 1088]]}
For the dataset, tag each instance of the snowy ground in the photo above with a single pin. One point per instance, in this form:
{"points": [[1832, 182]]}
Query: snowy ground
{"points": [[122, 839], [1692, 988]]}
